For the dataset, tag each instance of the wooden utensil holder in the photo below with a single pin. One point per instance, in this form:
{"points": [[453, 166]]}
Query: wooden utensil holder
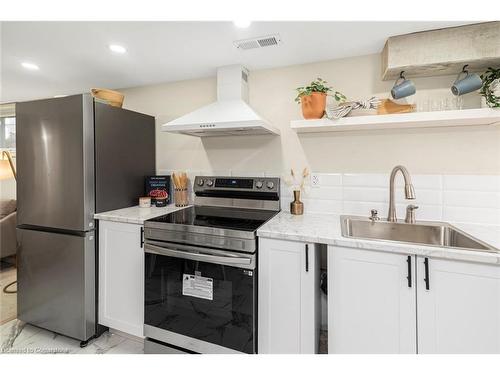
{"points": [[181, 197]]}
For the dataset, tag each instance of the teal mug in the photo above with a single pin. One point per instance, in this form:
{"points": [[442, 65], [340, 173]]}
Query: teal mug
{"points": [[471, 82], [404, 88]]}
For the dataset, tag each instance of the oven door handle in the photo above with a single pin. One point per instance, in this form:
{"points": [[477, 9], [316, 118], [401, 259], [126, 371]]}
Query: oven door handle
{"points": [[233, 260]]}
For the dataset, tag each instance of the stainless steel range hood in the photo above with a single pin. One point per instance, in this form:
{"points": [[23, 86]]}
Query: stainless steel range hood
{"points": [[229, 115]]}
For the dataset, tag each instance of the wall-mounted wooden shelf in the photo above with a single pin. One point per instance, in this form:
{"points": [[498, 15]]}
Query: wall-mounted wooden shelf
{"points": [[465, 117]]}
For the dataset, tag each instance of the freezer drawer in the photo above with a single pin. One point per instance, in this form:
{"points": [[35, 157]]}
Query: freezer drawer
{"points": [[56, 282]]}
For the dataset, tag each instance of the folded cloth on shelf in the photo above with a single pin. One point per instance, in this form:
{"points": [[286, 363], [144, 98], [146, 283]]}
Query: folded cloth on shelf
{"points": [[343, 110]]}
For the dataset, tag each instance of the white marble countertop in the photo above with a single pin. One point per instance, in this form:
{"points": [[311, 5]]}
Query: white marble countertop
{"points": [[136, 214], [325, 229]]}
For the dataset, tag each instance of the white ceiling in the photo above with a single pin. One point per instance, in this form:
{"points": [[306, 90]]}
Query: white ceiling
{"points": [[74, 56]]}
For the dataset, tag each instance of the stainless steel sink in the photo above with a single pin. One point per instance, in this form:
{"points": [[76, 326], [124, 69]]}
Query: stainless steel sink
{"points": [[423, 233]]}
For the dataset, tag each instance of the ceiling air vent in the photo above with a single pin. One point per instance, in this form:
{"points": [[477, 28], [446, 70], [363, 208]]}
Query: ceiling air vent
{"points": [[263, 41]]}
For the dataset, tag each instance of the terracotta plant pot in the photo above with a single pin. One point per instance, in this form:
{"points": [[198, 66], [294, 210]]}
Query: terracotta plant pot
{"points": [[313, 106]]}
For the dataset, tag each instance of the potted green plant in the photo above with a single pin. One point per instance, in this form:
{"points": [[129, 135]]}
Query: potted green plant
{"points": [[491, 87], [313, 98]]}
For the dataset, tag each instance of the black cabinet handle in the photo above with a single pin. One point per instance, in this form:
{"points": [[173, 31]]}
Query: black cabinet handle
{"points": [[408, 260], [426, 279], [307, 258], [142, 237]]}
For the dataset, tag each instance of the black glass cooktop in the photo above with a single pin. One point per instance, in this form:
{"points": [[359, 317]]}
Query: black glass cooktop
{"points": [[218, 217]]}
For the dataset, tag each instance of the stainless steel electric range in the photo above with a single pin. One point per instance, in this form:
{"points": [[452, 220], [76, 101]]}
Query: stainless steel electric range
{"points": [[201, 268]]}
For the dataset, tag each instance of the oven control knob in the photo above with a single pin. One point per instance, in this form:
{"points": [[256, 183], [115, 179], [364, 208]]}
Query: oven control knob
{"points": [[210, 182], [258, 184], [200, 182], [270, 184]]}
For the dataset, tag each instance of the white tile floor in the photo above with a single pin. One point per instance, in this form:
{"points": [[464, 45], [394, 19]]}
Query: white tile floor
{"points": [[18, 337]]}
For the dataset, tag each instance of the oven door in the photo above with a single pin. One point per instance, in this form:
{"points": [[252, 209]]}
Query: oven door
{"points": [[200, 299]]}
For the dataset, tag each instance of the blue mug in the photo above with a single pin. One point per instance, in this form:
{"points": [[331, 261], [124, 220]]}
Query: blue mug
{"points": [[403, 89], [471, 82]]}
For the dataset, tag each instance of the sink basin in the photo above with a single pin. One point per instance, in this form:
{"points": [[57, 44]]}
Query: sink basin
{"points": [[423, 233]]}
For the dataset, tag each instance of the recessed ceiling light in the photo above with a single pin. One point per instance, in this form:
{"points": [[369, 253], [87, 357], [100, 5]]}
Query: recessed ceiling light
{"points": [[242, 23], [117, 48], [30, 66], [60, 96]]}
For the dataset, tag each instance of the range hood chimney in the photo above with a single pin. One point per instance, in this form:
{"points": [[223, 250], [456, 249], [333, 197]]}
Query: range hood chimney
{"points": [[229, 115]]}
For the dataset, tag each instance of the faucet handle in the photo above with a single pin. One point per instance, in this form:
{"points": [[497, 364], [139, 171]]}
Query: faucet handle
{"points": [[410, 214], [374, 215]]}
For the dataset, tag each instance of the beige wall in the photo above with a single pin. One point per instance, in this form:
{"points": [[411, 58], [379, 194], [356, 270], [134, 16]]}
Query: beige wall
{"points": [[468, 150], [8, 189]]}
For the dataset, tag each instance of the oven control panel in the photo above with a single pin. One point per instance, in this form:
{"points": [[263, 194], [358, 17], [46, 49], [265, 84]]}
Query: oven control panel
{"points": [[221, 183], [237, 192], [233, 183]]}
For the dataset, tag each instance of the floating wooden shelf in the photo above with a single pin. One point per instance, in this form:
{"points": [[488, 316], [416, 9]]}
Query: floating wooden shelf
{"points": [[464, 117]]}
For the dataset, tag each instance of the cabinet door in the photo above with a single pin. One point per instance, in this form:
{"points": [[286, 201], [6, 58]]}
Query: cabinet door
{"points": [[121, 277], [371, 303], [458, 307], [288, 297]]}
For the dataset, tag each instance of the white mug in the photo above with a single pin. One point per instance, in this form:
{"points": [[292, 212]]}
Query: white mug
{"points": [[144, 202]]}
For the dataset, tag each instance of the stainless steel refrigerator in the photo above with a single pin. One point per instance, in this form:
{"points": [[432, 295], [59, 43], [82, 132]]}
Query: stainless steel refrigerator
{"points": [[75, 157]]}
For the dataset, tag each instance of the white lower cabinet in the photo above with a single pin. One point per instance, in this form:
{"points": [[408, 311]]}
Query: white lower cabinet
{"points": [[449, 307], [121, 277], [458, 307], [371, 302], [288, 297]]}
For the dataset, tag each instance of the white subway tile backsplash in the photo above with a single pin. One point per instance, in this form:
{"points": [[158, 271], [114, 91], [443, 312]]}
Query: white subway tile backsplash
{"points": [[372, 194], [369, 194], [474, 215], [364, 208], [285, 203], [472, 182], [286, 191], [272, 174], [247, 174], [365, 180], [192, 174], [482, 199], [382, 180], [465, 199], [434, 197], [330, 179], [460, 198], [324, 192], [222, 172], [323, 206], [425, 181]]}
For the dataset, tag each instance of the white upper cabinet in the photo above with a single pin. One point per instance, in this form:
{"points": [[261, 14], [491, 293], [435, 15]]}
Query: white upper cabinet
{"points": [[121, 277], [458, 307], [288, 297], [371, 302]]}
